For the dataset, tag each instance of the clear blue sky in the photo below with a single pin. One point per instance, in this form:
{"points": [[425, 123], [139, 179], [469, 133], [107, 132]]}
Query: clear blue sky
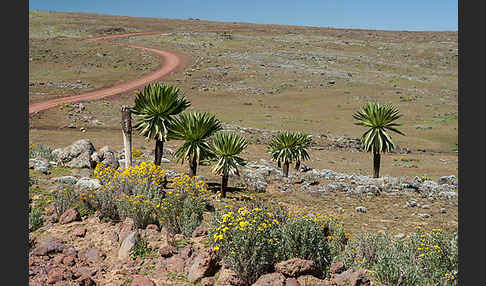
{"points": [[412, 15]]}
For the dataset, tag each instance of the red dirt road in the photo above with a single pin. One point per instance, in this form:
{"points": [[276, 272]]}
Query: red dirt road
{"points": [[170, 63]]}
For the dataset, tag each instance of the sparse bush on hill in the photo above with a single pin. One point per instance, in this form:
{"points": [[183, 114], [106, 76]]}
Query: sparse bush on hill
{"points": [[36, 219], [423, 259], [63, 198], [41, 151]]}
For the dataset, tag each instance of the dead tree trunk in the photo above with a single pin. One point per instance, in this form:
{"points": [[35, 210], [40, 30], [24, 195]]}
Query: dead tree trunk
{"points": [[127, 134]]}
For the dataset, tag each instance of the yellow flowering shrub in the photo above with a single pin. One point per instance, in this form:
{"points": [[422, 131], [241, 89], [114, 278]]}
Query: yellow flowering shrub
{"points": [[181, 209], [425, 258], [246, 239], [138, 207], [312, 236], [62, 198], [118, 196]]}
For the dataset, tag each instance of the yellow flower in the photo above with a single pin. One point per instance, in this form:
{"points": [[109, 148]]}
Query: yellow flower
{"points": [[216, 248]]}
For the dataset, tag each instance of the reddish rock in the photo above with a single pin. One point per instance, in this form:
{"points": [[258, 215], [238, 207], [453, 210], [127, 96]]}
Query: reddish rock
{"points": [[351, 277], [292, 282], [296, 267], [142, 281], [337, 267], [175, 264], [55, 275], [70, 251], [152, 227], [85, 281], [68, 260], [167, 251], [69, 216], [229, 277], [186, 252], [127, 227], [270, 279], [200, 231], [49, 245], [204, 265], [58, 258], [93, 255], [208, 281], [309, 280], [84, 271], [80, 231]]}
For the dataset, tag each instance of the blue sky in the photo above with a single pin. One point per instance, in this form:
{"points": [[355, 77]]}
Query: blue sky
{"points": [[412, 15]]}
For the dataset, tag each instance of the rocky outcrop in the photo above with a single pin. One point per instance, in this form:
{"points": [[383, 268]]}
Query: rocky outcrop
{"points": [[76, 155]]}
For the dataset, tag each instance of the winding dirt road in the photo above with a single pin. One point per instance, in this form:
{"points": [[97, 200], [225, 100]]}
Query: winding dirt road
{"points": [[170, 63]]}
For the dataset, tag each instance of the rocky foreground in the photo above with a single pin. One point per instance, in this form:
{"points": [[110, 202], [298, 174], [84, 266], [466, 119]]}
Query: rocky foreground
{"points": [[87, 250]]}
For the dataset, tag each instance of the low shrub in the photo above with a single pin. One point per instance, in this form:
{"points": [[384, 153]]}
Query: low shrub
{"points": [[40, 151], [137, 207], [36, 219], [270, 234], [423, 259], [305, 236], [63, 198], [247, 240], [141, 249], [181, 210]]}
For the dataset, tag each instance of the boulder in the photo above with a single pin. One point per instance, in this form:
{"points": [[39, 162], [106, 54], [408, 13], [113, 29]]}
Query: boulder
{"points": [[203, 265], [167, 251], [68, 180], [270, 279], [337, 267], [92, 255], [80, 231], [55, 275], [296, 267], [85, 183], [229, 277], [309, 280], [40, 165], [142, 281], [351, 277], [174, 264], [126, 227], [128, 245], [292, 282], [449, 180], [106, 156], [76, 155], [69, 216], [48, 246], [208, 281]]}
